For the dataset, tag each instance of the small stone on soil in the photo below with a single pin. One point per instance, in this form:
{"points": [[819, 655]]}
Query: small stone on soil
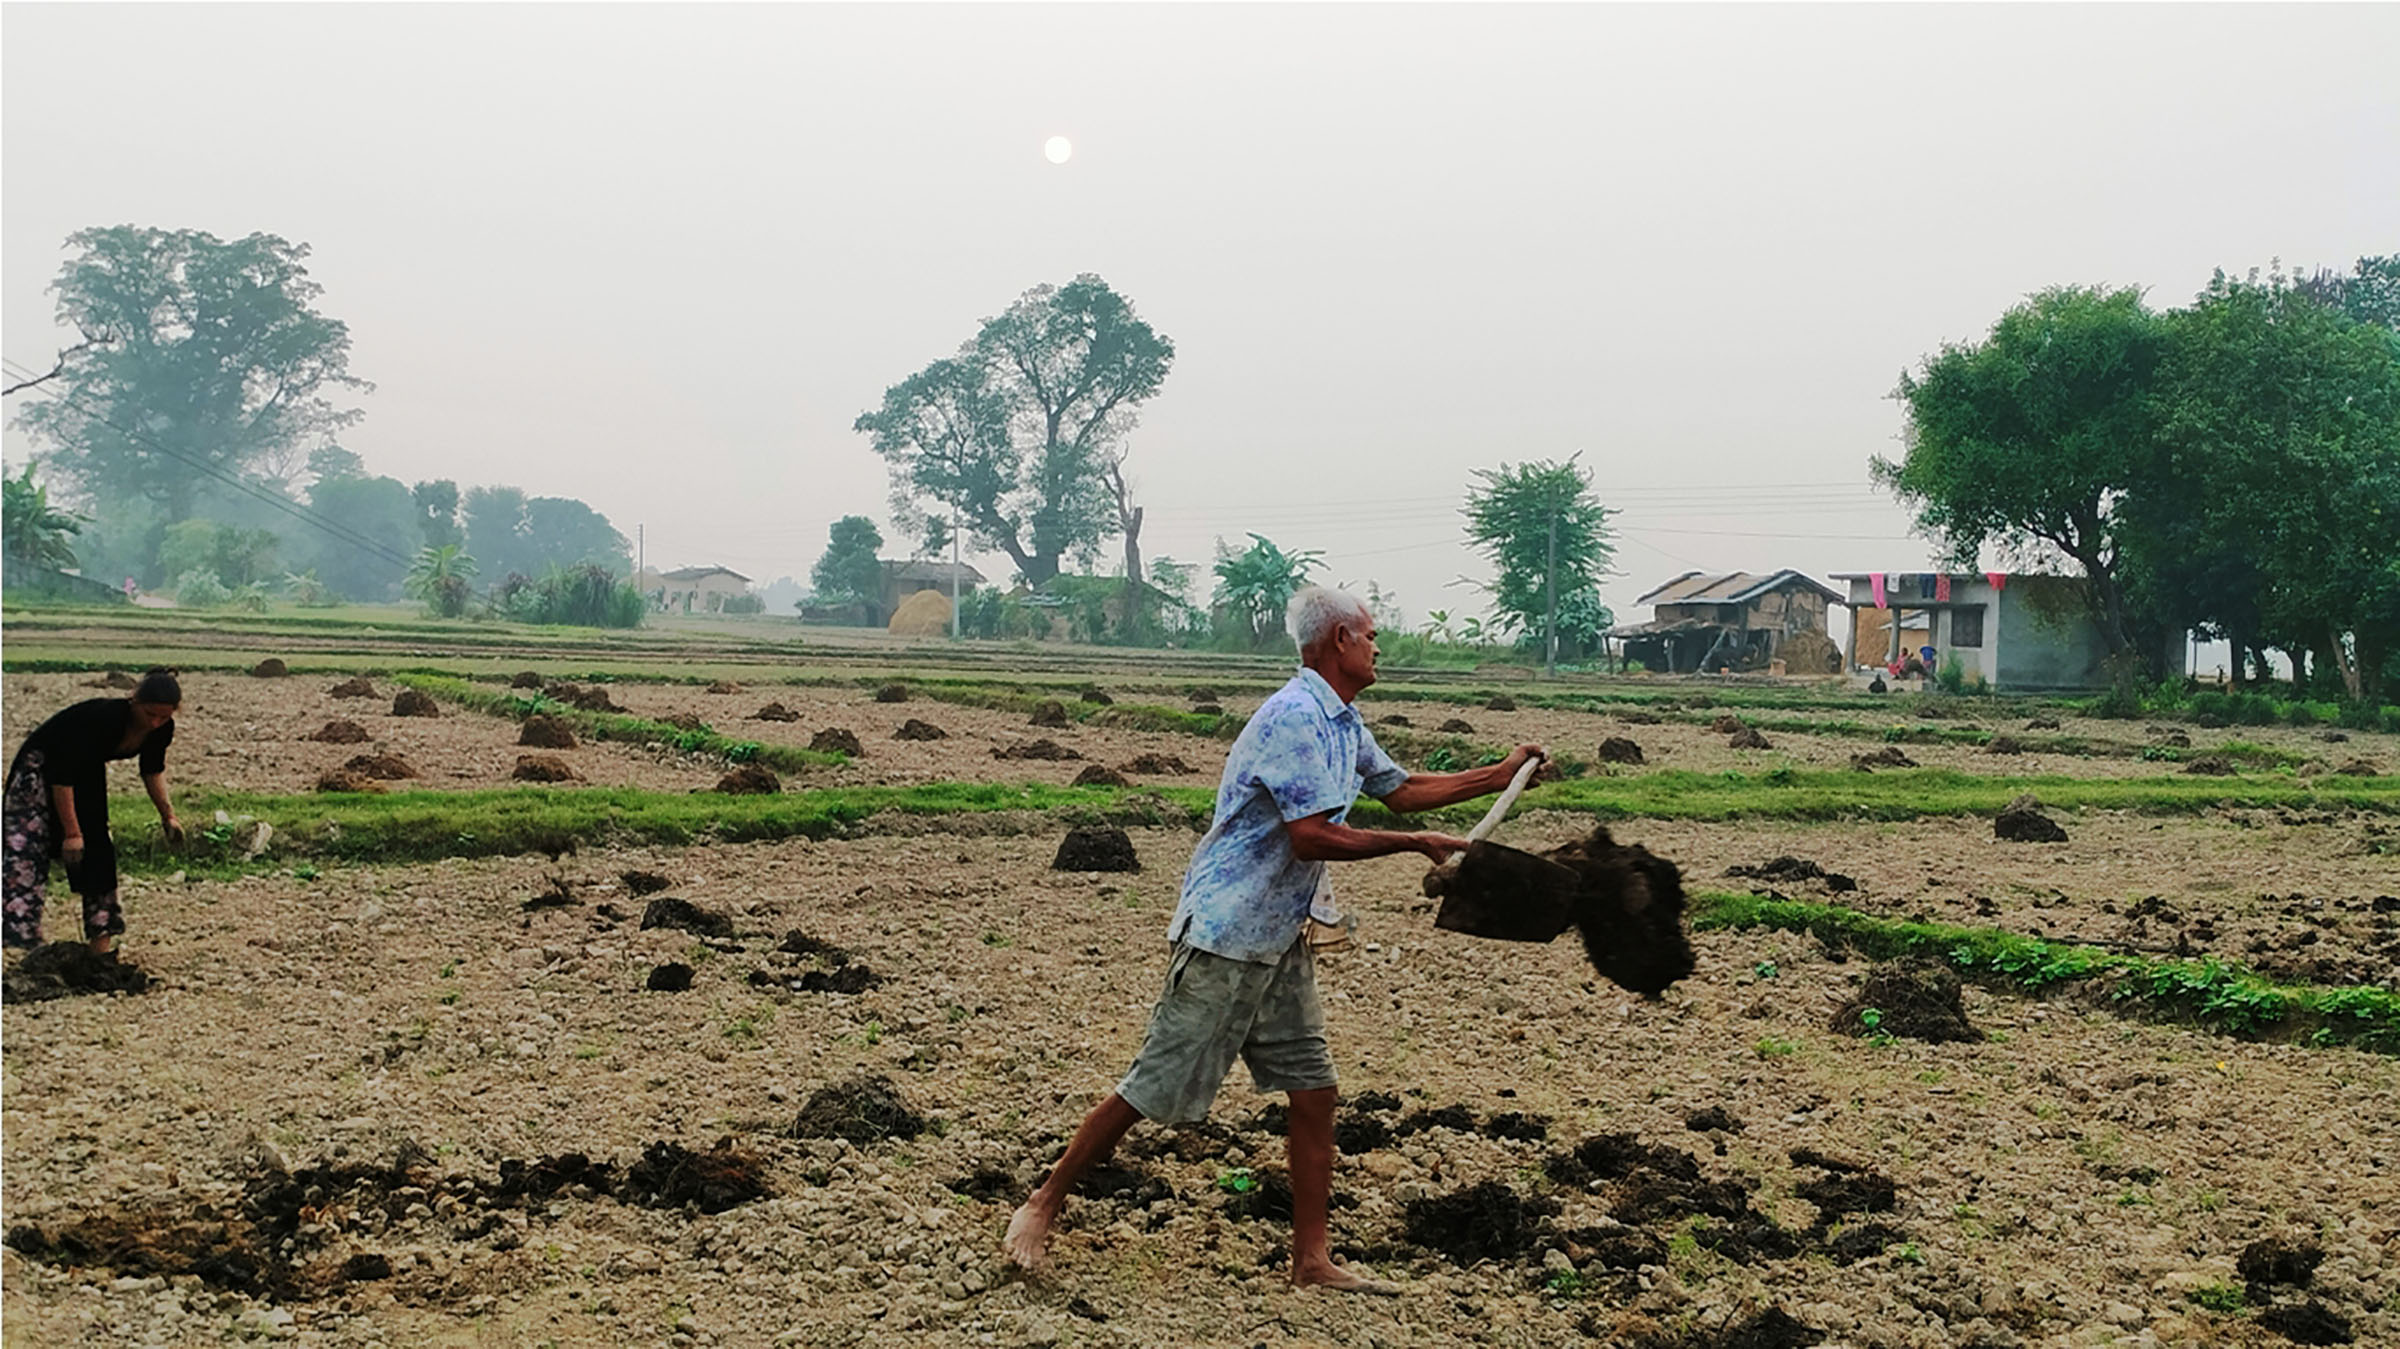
{"points": [[672, 977]]}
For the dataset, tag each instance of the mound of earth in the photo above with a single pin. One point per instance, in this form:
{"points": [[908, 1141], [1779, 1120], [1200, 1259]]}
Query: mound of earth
{"points": [[66, 969], [672, 977], [775, 711], [668, 911], [2269, 1261], [543, 731], [2003, 744], [525, 679], [1710, 1119], [1263, 1194], [797, 942], [1203, 695], [2329, 737], [2310, 1322], [1097, 697], [544, 768], [1770, 1328], [681, 721], [1157, 765], [892, 693], [2022, 821], [345, 780], [1793, 871], [670, 1175], [593, 699], [1207, 710], [913, 729], [270, 668], [1915, 998], [357, 687], [848, 979], [387, 767], [2210, 765], [1456, 726], [1395, 719], [1747, 738], [2358, 768], [723, 686], [1100, 775], [115, 679], [415, 703], [2042, 724], [643, 882], [1357, 1134], [1726, 724], [1051, 715], [1501, 702], [835, 740], [862, 1110], [750, 780], [1096, 848], [1487, 1221], [2167, 739], [1517, 1125], [339, 732], [1036, 749], [1638, 718], [1618, 749], [1887, 757], [1456, 1117]]}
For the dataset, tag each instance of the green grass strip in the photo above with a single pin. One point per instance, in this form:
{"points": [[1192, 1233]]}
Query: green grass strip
{"points": [[1799, 794], [406, 827], [517, 706], [2221, 996]]}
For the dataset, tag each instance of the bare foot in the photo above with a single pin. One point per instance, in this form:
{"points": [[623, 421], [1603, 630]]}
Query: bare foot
{"points": [[1327, 1274], [1028, 1239]]}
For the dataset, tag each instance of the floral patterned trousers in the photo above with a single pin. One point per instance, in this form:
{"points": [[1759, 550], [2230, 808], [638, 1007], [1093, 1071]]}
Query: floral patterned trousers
{"points": [[28, 822]]}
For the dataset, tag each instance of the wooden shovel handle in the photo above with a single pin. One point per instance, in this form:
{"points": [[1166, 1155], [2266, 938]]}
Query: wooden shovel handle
{"points": [[1499, 811]]}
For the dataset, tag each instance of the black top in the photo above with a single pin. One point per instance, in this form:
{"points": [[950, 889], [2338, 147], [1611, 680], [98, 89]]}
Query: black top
{"points": [[78, 742]]}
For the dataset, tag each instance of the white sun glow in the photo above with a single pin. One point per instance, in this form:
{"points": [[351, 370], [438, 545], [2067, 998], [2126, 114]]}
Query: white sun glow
{"points": [[1058, 149]]}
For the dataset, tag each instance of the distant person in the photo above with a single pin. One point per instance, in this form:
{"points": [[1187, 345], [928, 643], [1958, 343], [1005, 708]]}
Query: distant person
{"points": [[1241, 980], [57, 806], [1876, 685]]}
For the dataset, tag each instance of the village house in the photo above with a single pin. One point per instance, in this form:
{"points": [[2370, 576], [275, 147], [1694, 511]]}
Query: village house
{"points": [[691, 590], [903, 579], [1735, 621], [2014, 631]]}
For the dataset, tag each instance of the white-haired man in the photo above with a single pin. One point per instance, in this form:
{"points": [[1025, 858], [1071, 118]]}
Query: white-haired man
{"points": [[1240, 977]]}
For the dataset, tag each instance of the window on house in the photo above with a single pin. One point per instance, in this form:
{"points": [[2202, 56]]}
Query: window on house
{"points": [[1966, 626]]}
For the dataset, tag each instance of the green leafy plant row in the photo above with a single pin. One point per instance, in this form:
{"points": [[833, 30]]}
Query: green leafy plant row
{"points": [[2219, 995]]}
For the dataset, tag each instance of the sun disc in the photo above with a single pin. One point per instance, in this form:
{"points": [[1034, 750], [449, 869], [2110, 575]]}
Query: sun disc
{"points": [[1058, 149]]}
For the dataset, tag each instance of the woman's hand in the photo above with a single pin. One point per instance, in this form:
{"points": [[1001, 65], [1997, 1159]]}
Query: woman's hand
{"points": [[173, 829], [70, 850]]}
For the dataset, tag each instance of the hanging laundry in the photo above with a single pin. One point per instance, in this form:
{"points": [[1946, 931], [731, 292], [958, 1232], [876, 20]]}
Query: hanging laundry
{"points": [[1877, 578], [1999, 579], [1925, 587], [1941, 588]]}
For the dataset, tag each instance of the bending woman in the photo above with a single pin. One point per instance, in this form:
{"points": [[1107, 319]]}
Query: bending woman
{"points": [[57, 805]]}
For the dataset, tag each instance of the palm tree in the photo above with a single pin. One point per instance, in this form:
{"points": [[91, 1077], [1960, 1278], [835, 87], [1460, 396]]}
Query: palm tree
{"points": [[37, 532], [440, 578]]}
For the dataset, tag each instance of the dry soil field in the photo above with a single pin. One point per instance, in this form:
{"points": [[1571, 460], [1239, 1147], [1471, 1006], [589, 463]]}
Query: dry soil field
{"points": [[477, 1100]]}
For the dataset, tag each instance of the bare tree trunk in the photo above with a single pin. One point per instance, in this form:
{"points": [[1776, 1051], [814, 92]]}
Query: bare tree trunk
{"points": [[2351, 680], [1129, 523]]}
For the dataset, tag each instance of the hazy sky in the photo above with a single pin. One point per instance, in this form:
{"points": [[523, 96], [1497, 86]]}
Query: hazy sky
{"points": [[659, 257]]}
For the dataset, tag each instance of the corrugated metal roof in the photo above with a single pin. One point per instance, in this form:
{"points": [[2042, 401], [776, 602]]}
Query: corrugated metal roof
{"points": [[1737, 587]]}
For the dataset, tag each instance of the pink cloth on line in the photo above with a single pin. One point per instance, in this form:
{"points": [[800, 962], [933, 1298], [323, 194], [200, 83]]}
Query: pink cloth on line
{"points": [[1941, 588], [1877, 578], [1999, 579]]}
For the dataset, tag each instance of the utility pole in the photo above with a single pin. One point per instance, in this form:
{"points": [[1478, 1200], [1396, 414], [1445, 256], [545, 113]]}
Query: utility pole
{"points": [[954, 569], [640, 561]]}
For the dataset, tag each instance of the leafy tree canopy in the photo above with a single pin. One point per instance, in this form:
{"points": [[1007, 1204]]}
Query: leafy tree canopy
{"points": [[1020, 431], [1542, 530], [849, 572], [211, 358], [36, 531], [1258, 583]]}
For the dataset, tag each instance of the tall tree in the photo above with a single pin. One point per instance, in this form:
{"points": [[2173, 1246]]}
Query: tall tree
{"points": [[848, 571], [216, 362], [1548, 539], [368, 507], [437, 512], [496, 531], [442, 577], [2274, 499], [1021, 430], [36, 531], [565, 532], [2029, 440]]}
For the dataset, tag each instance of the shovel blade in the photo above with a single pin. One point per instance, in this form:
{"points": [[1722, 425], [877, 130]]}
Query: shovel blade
{"points": [[1507, 895]]}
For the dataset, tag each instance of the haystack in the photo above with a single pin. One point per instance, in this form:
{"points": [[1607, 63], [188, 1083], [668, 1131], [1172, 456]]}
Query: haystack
{"points": [[1810, 653], [924, 614]]}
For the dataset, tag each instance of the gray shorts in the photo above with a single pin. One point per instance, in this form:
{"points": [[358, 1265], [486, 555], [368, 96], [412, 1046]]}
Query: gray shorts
{"points": [[1213, 1008]]}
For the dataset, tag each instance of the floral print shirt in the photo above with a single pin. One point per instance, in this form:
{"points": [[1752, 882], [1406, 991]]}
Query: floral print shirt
{"points": [[1305, 752]]}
